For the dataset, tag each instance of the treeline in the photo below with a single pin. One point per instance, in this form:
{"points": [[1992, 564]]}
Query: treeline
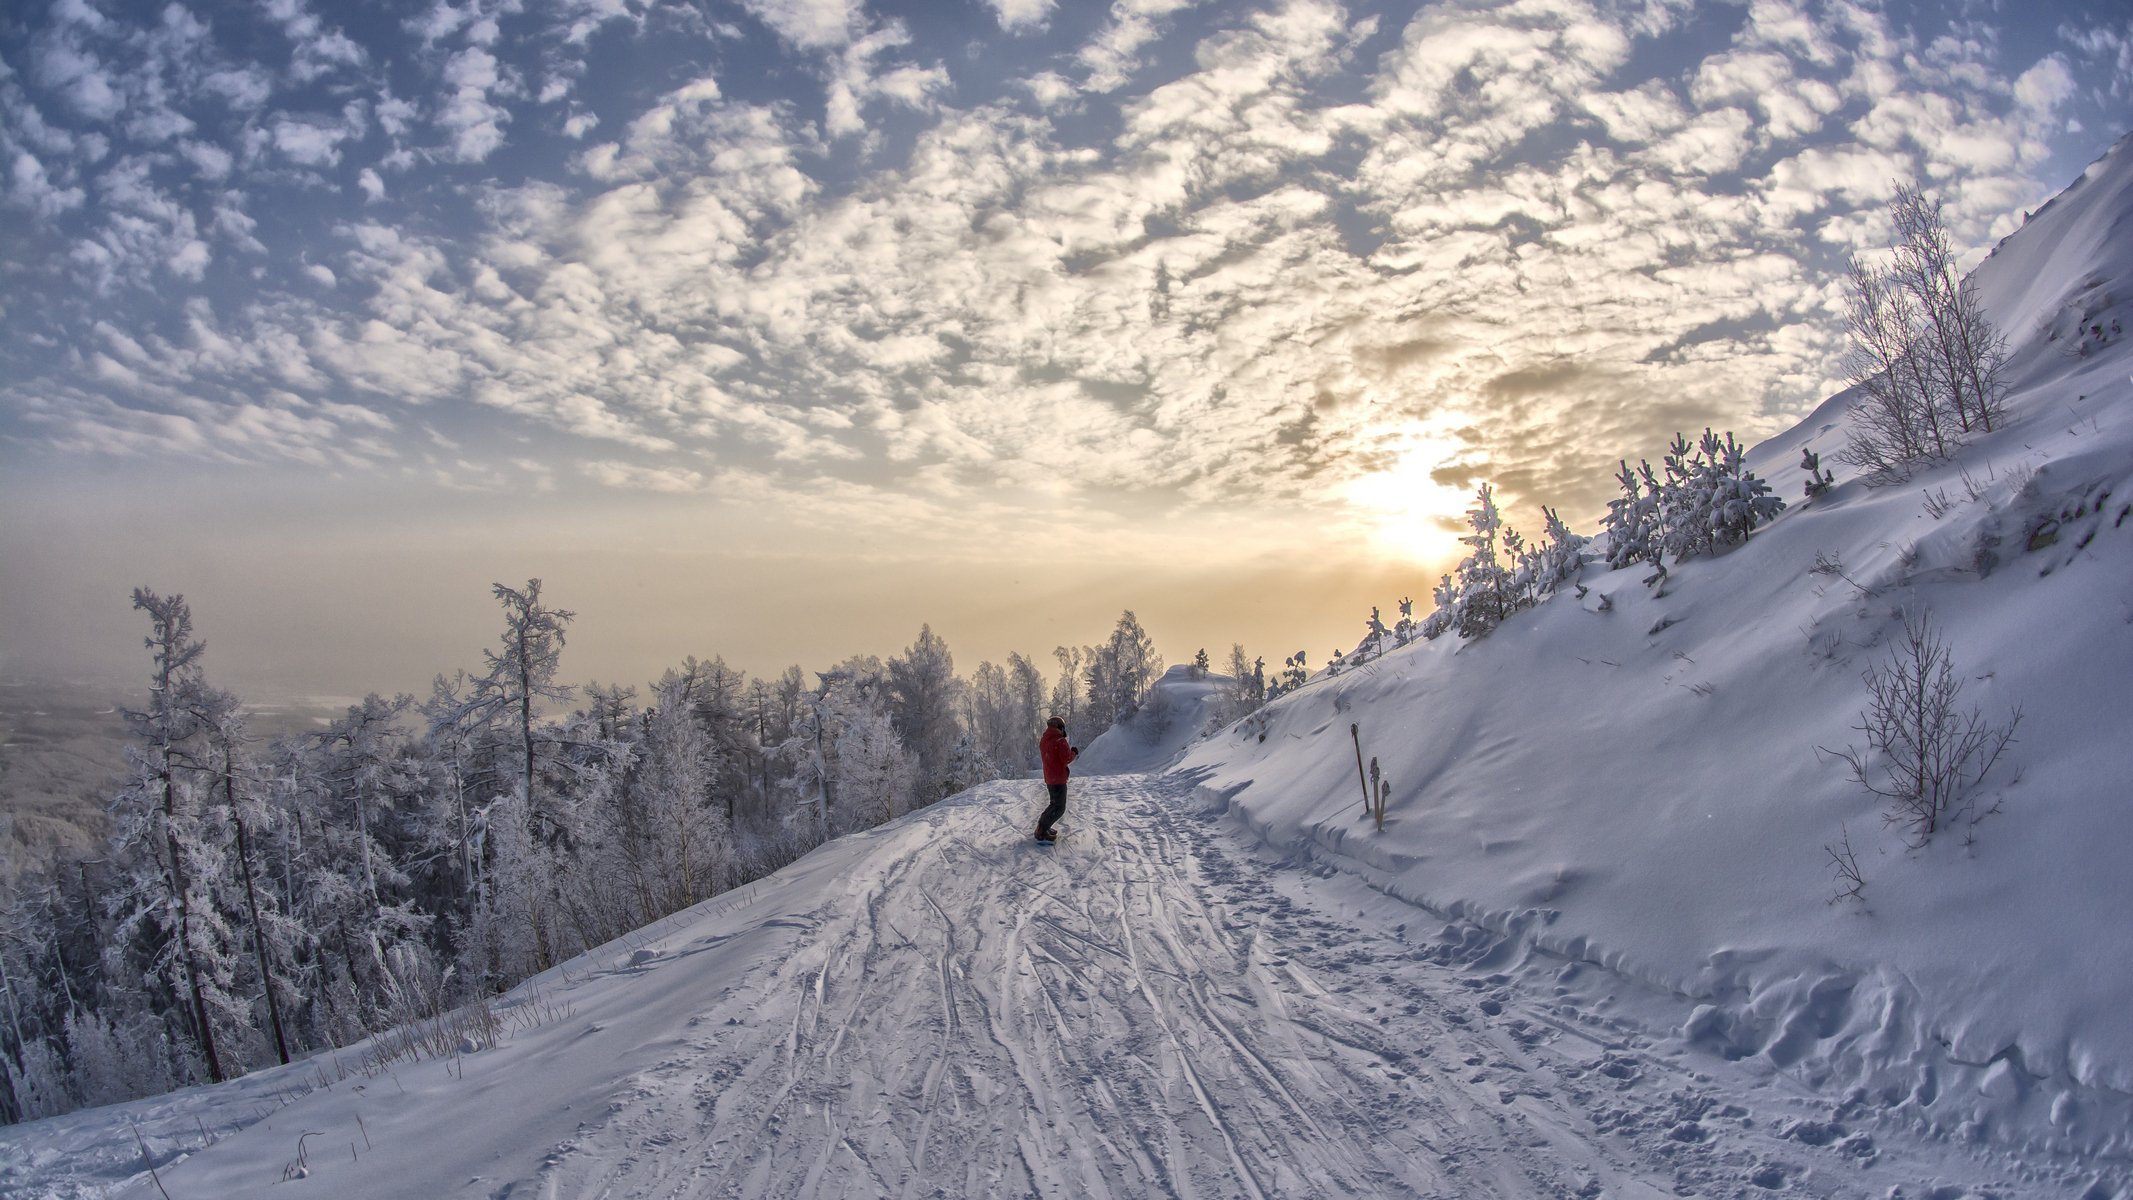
{"points": [[264, 899]]}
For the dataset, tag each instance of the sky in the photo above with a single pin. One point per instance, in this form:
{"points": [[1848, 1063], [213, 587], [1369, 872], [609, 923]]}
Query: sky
{"points": [[774, 329]]}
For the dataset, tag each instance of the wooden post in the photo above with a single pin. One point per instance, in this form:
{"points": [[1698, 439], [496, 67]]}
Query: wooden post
{"points": [[1357, 734], [1375, 795]]}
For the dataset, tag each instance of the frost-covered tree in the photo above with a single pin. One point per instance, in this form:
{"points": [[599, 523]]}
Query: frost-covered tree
{"points": [[1925, 360], [171, 933], [671, 830], [1713, 501], [923, 704], [1635, 526], [521, 675], [1026, 684], [874, 775], [1066, 702], [1118, 673], [1555, 560], [1895, 423], [992, 716], [1247, 686], [1485, 592], [235, 792]]}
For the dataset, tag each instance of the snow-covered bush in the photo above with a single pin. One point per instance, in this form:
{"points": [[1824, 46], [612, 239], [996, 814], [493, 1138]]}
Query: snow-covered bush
{"points": [[1706, 501], [1714, 500], [1501, 576]]}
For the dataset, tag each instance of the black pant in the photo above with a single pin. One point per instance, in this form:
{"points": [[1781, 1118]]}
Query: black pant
{"points": [[1054, 810]]}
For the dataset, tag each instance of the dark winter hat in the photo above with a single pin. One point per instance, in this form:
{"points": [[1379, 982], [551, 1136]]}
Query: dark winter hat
{"points": [[1055, 723]]}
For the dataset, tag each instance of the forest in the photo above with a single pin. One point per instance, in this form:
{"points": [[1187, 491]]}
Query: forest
{"points": [[262, 898]]}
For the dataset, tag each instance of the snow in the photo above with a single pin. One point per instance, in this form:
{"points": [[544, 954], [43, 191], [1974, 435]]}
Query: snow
{"points": [[1156, 1006], [1178, 714], [1594, 949]]}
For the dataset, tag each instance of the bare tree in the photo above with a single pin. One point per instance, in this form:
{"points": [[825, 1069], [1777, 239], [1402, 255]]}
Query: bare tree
{"points": [[1894, 425], [1963, 354], [1923, 755], [1925, 358]]}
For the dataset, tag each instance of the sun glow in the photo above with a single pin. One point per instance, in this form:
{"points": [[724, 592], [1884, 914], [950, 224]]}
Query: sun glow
{"points": [[1408, 511]]}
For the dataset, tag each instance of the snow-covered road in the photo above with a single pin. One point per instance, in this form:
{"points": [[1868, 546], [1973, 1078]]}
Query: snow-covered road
{"points": [[941, 1008], [1145, 1009]]}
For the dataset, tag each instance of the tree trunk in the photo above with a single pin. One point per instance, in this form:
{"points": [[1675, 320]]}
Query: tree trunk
{"points": [[251, 901], [204, 1030]]}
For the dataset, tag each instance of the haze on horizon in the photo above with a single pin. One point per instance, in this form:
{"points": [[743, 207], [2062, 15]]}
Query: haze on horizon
{"points": [[774, 329]]}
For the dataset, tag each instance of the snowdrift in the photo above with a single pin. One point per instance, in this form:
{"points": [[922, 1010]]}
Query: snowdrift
{"points": [[1641, 781]]}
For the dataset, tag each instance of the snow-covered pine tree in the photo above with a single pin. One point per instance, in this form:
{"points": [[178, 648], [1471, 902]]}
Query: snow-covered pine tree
{"points": [[1632, 523], [1732, 500], [1485, 593], [1558, 558], [1444, 616], [1819, 478]]}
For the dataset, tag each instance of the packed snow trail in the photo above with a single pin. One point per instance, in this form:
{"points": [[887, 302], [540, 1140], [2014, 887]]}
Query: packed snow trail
{"points": [[1136, 1012], [941, 1008]]}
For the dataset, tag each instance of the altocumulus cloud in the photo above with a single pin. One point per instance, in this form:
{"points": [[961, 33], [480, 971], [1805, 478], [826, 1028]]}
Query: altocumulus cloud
{"points": [[1225, 258]]}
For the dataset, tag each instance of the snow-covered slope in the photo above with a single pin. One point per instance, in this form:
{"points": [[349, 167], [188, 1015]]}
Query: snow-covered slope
{"points": [[1176, 715], [1638, 780]]}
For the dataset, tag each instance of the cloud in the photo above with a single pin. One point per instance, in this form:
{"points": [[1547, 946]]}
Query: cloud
{"points": [[473, 123], [32, 188], [856, 81], [1114, 54], [808, 24], [1020, 14], [1208, 261], [316, 49], [310, 142], [634, 477], [2046, 86]]}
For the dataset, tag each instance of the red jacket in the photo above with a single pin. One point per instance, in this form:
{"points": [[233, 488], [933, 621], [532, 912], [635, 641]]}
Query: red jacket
{"points": [[1055, 752]]}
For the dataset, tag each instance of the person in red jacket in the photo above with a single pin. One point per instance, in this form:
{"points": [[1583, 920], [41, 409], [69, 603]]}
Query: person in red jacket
{"points": [[1052, 748]]}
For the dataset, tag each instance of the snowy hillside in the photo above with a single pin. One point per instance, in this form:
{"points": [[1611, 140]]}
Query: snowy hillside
{"points": [[1595, 949], [1632, 780], [1176, 715]]}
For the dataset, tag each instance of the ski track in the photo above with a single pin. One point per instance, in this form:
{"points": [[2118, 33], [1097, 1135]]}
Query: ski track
{"points": [[1149, 1009]]}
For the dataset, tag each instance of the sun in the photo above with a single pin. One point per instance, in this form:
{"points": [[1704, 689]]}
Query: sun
{"points": [[1405, 508]]}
